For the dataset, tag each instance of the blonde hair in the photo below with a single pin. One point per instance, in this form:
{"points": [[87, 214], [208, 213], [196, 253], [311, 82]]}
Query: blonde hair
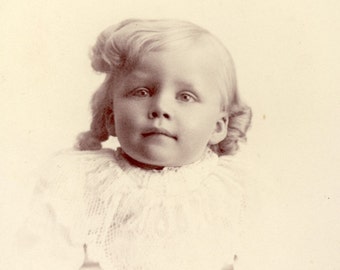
{"points": [[117, 51]]}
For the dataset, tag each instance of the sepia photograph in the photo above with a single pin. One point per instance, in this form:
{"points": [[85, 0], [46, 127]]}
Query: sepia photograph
{"points": [[187, 135]]}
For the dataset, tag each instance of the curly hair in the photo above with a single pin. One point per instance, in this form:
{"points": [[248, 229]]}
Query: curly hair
{"points": [[117, 51]]}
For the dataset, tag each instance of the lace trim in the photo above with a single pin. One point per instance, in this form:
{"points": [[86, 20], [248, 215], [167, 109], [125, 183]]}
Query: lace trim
{"points": [[170, 180], [126, 205]]}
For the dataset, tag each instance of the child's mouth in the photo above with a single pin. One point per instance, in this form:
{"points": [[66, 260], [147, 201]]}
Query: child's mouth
{"points": [[158, 131]]}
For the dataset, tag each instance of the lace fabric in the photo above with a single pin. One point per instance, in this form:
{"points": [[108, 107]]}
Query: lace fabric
{"points": [[131, 218]]}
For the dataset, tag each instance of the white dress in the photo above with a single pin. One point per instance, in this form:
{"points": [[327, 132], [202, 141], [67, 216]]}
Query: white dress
{"points": [[178, 218]]}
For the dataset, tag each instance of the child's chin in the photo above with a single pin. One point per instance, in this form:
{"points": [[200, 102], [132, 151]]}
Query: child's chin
{"points": [[147, 162], [157, 157], [158, 163]]}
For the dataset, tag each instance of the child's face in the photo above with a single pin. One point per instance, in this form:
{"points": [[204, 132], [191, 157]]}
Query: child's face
{"points": [[168, 109]]}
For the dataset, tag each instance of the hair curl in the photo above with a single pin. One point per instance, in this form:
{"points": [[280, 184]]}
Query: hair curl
{"points": [[118, 49]]}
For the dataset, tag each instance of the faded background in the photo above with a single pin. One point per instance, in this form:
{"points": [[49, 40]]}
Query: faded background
{"points": [[288, 61]]}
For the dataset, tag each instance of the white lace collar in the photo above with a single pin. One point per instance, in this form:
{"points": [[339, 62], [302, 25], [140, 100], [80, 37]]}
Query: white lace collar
{"points": [[169, 177], [118, 171]]}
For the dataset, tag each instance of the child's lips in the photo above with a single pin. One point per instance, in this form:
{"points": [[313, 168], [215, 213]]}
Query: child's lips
{"points": [[158, 131]]}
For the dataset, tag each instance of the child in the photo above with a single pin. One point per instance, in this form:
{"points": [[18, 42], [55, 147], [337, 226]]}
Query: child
{"points": [[167, 198]]}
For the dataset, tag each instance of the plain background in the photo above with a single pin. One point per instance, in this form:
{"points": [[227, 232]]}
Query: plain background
{"points": [[288, 62]]}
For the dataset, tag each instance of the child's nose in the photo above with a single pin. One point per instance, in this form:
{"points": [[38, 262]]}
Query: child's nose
{"points": [[160, 107], [158, 114]]}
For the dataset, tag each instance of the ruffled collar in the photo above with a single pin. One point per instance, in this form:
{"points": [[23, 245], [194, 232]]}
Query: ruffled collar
{"points": [[208, 154], [170, 180]]}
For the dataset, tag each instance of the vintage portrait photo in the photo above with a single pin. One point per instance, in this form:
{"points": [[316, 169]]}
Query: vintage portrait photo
{"points": [[185, 135]]}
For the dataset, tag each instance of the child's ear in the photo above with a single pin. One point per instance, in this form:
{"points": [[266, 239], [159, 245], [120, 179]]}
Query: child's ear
{"points": [[221, 129]]}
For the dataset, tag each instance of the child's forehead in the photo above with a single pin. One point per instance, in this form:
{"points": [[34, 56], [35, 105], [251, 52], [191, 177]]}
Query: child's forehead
{"points": [[188, 61], [205, 47], [178, 55]]}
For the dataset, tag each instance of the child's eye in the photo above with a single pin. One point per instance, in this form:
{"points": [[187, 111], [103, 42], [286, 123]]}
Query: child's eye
{"points": [[187, 97], [141, 92]]}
